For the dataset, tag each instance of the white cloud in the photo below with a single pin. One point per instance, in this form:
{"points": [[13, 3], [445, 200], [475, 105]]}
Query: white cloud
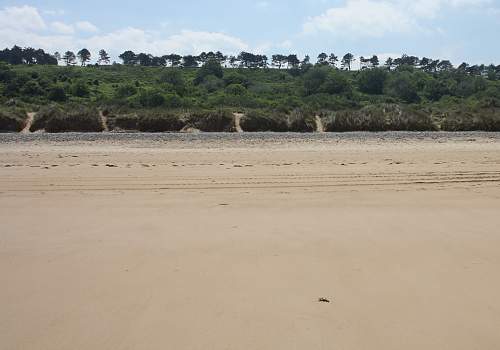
{"points": [[54, 12], [185, 42], [62, 28], [361, 18], [375, 18], [21, 18], [86, 27], [192, 41], [25, 26]]}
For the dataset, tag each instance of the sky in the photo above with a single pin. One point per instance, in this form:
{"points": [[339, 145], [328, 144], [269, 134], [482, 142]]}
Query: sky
{"points": [[458, 30]]}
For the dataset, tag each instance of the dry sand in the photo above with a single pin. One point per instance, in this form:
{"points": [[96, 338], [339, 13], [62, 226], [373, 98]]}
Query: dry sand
{"points": [[108, 246]]}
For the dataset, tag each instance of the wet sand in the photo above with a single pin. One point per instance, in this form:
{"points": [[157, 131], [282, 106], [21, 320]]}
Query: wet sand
{"points": [[229, 244]]}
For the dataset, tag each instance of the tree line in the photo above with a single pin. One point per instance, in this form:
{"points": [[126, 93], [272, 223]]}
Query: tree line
{"points": [[18, 55]]}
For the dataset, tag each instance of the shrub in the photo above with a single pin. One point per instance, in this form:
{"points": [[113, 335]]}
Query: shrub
{"points": [[314, 78], [173, 101], [126, 90], [174, 77], [256, 120], [32, 88], [236, 78], [212, 83], [371, 81], [236, 89], [151, 98], [335, 83], [404, 87], [80, 89], [210, 68], [57, 94]]}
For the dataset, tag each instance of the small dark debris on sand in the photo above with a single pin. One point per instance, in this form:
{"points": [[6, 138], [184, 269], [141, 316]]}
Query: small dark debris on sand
{"points": [[323, 300], [111, 166]]}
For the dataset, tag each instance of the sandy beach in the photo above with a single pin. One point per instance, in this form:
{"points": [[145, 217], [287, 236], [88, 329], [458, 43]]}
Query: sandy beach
{"points": [[230, 244]]}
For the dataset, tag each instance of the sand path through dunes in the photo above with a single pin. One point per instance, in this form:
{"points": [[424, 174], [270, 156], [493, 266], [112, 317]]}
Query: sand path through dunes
{"points": [[237, 119], [30, 117], [319, 124], [134, 247], [104, 121]]}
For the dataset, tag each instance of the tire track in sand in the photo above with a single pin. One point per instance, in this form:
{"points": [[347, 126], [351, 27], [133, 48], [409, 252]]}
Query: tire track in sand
{"points": [[341, 181]]}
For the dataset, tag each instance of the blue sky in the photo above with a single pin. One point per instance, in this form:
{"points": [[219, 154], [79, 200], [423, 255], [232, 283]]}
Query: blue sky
{"points": [[459, 30]]}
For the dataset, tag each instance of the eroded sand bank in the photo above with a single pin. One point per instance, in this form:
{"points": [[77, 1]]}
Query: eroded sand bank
{"points": [[126, 246]]}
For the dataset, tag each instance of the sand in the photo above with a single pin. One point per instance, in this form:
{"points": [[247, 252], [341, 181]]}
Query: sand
{"points": [[126, 246]]}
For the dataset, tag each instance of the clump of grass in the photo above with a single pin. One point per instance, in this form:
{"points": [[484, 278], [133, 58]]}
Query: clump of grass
{"points": [[77, 119], [81, 119], [481, 118], [123, 122], [12, 119], [384, 117], [43, 115], [211, 121], [302, 121], [158, 122], [256, 120]]}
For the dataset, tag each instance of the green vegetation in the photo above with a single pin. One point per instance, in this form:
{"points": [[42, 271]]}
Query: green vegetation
{"points": [[76, 118], [12, 119], [171, 92]]}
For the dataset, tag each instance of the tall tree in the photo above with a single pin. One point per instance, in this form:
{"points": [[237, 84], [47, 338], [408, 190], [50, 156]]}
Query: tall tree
{"points": [[293, 61], [175, 60], [233, 61], [332, 60], [69, 58], [145, 59], [220, 57], [84, 56], [364, 63], [29, 54], [445, 65], [278, 60], [190, 61], [374, 61], [348, 60], [57, 56], [103, 57], [389, 63], [128, 57], [322, 58]]}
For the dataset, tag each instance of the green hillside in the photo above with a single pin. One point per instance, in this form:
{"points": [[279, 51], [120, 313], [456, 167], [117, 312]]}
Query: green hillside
{"points": [[405, 97]]}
